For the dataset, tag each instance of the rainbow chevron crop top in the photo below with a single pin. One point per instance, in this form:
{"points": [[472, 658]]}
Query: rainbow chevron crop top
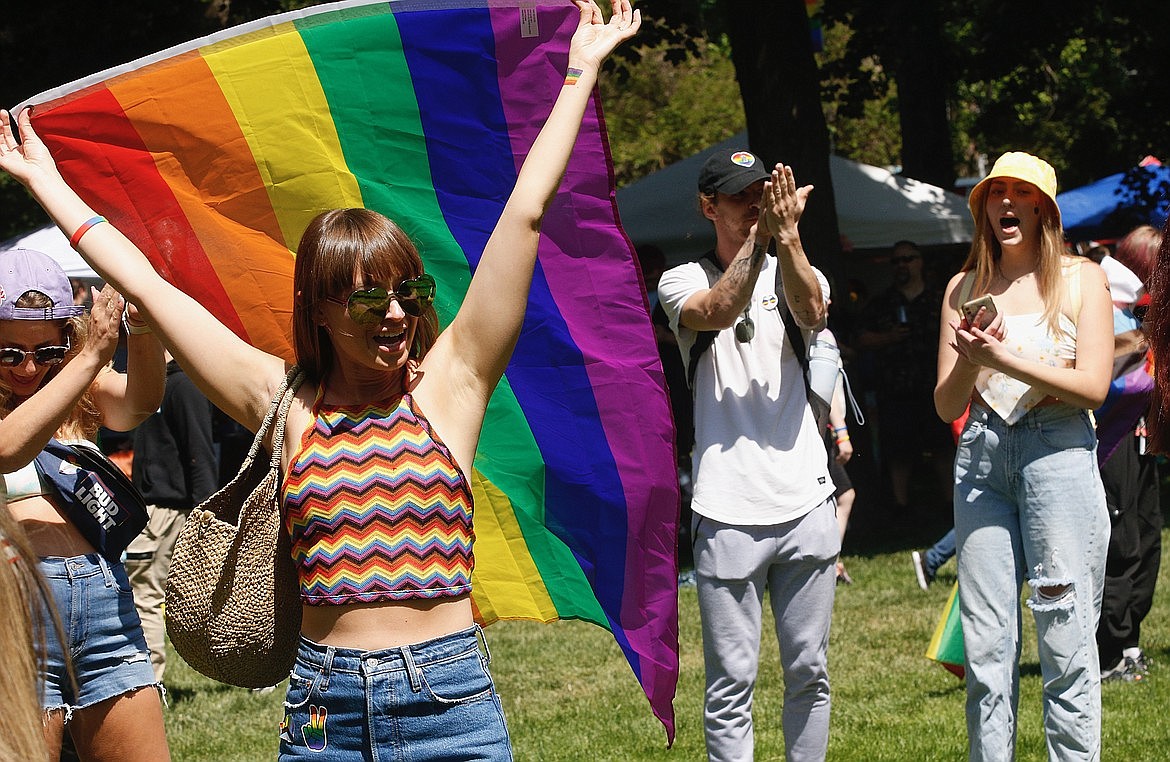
{"points": [[376, 508]]}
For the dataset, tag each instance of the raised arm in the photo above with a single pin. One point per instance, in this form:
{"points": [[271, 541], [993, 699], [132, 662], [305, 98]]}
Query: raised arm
{"points": [[127, 399], [474, 350], [718, 307], [26, 430], [783, 206], [236, 376]]}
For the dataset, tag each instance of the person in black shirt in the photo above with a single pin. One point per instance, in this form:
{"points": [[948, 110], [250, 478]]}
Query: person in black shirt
{"points": [[175, 468], [900, 328]]}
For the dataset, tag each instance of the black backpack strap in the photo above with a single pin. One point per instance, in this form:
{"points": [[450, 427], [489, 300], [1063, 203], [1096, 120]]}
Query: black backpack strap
{"points": [[820, 408], [703, 339]]}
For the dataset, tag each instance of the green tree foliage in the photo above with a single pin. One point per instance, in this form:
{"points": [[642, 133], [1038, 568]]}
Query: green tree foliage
{"points": [[859, 100], [1081, 82], [658, 111], [1086, 89]]}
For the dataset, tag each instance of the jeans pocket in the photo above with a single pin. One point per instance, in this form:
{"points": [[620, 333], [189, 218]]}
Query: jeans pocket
{"points": [[301, 687], [459, 680], [1069, 434]]}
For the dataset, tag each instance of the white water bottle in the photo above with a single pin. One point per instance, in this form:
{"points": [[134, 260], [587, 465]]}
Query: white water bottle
{"points": [[823, 365]]}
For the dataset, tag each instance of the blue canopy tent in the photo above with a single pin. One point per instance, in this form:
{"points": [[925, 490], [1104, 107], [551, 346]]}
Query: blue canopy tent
{"points": [[1112, 206]]}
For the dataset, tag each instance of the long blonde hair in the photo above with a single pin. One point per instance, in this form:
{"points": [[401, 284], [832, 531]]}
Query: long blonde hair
{"points": [[84, 419], [23, 632], [986, 252]]}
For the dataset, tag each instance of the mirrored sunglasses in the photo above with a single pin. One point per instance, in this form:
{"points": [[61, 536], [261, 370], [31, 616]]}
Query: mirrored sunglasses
{"points": [[11, 357], [368, 306]]}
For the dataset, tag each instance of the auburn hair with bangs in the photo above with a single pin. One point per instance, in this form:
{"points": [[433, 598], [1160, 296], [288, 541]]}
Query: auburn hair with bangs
{"points": [[335, 245]]}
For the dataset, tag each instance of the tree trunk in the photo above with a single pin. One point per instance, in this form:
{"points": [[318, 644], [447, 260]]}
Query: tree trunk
{"points": [[922, 104], [780, 85]]}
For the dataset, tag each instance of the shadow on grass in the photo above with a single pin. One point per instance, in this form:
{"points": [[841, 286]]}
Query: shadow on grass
{"points": [[179, 695]]}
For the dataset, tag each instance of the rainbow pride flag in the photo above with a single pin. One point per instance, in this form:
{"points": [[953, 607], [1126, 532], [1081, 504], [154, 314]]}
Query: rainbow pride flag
{"points": [[946, 643], [213, 156]]}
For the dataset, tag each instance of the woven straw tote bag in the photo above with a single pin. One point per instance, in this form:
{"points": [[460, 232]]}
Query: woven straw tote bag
{"points": [[233, 609]]}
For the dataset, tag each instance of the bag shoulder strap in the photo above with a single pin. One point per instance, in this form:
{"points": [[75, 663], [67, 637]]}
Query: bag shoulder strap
{"points": [[282, 414], [703, 339], [966, 286], [1073, 283], [282, 399]]}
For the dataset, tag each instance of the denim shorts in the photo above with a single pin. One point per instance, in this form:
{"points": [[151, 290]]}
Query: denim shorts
{"points": [[427, 701], [105, 641]]}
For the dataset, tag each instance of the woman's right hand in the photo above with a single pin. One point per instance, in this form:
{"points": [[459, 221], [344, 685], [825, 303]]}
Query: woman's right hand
{"points": [[105, 320], [29, 158]]}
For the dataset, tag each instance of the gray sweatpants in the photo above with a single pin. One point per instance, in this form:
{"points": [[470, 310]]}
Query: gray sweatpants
{"points": [[796, 562]]}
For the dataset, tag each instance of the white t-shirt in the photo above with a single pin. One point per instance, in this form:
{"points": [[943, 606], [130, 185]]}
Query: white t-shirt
{"points": [[759, 458]]}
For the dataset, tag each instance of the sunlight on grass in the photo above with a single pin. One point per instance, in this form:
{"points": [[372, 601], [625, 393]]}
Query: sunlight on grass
{"points": [[569, 695]]}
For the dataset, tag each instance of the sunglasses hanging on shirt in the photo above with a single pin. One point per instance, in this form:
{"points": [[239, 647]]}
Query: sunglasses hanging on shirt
{"points": [[745, 329]]}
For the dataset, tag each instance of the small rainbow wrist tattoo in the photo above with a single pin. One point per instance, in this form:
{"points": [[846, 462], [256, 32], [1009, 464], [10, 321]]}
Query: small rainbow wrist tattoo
{"points": [[571, 76]]}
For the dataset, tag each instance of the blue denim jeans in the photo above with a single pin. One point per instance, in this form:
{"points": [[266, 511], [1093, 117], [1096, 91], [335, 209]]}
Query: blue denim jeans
{"points": [[1029, 505], [939, 553], [427, 701], [105, 641]]}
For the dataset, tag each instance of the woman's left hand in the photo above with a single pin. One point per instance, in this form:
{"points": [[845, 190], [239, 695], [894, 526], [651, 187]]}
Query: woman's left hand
{"points": [[595, 39], [980, 346]]}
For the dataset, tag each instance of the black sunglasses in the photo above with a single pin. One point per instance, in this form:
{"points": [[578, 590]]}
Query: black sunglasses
{"points": [[903, 260], [745, 329], [367, 306], [11, 357]]}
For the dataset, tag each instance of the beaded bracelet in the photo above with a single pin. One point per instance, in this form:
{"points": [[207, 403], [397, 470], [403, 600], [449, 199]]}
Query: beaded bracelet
{"points": [[85, 226]]}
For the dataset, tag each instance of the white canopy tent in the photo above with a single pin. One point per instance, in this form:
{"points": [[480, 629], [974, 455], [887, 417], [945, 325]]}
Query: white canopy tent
{"points": [[874, 207], [50, 240]]}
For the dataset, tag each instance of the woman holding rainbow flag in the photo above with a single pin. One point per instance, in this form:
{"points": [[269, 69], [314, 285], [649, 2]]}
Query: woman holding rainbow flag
{"points": [[389, 654]]}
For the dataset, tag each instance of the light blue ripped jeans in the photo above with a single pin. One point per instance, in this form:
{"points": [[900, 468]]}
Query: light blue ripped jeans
{"points": [[1029, 505]]}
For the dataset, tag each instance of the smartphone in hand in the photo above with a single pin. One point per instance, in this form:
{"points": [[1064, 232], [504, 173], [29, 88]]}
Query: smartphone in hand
{"points": [[971, 310]]}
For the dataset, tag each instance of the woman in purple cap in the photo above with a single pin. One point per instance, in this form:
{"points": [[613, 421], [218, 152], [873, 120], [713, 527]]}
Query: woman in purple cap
{"points": [[56, 381], [1027, 340]]}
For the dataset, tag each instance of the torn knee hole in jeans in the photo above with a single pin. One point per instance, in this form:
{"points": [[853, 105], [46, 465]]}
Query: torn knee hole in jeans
{"points": [[1049, 594]]}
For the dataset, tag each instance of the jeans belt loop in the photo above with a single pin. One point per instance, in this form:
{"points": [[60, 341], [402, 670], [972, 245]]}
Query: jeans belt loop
{"points": [[327, 668], [482, 638], [412, 670], [107, 573]]}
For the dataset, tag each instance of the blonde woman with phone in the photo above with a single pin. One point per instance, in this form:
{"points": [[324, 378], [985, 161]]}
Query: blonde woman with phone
{"points": [[1031, 362]]}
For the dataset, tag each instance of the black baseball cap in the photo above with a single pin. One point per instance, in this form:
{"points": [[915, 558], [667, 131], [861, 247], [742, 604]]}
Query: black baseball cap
{"points": [[731, 171]]}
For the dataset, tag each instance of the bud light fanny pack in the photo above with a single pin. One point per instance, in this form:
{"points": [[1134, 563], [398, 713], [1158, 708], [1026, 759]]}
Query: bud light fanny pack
{"points": [[96, 496]]}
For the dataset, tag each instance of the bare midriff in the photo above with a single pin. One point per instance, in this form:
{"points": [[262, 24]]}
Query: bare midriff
{"points": [[977, 399], [49, 532], [386, 624]]}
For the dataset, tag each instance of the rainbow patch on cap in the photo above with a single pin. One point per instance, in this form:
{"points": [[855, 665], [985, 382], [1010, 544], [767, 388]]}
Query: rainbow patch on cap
{"points": [[743, 158]]}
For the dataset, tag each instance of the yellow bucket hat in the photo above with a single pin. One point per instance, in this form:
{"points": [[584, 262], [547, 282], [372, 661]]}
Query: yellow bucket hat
{"points": [[1021, 166]]}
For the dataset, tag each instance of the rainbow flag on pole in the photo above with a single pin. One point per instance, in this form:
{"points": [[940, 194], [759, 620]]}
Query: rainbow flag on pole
{"points": [[213, 156]]}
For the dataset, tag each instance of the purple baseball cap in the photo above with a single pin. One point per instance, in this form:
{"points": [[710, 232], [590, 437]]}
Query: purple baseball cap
{"points": [[24, 270]]}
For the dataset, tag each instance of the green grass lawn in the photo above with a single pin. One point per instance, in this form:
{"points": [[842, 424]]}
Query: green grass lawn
{"points": [[569, 695]]}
